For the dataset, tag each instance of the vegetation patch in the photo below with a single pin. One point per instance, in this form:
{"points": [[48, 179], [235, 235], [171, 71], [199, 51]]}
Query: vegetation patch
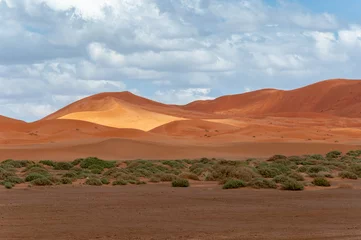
{"points": [[348, 175], [292, 185], [321, 181], [233, 183], [180, 182]]}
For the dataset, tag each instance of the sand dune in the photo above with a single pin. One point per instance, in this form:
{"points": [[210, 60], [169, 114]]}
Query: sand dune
{"points": [[313, 119], [195, 128], [335, 97]]}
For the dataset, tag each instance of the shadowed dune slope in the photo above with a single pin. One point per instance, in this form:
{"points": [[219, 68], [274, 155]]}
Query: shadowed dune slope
{"points": [[336, 97], [193, 128]]}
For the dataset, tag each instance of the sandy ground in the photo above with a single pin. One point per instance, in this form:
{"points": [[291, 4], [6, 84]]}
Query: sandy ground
{"points": [[161, 212]]}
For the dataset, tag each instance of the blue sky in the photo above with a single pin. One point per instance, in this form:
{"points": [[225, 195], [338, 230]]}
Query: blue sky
{"points": [[175, 51]]}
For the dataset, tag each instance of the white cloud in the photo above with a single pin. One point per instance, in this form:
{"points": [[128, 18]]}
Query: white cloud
{"points": [[183, 96]]}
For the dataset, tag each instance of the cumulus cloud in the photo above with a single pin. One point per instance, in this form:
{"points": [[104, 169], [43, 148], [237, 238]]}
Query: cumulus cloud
{"points": [[55, 52]]}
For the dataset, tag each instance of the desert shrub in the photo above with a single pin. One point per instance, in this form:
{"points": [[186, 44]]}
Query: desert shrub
{"points": [[317, 157], [233, 183], [354, 153], [29, 167], [42, 181], [70, 174], [180, 182], [112, 172], [96, 171], [8, 185], [47, 163], [281, 179], [4, 174], [321, 181], [16, 164], [348, 175], [66, 180], [199, 168], [333, 154], [187, 175], [296, 176], [119, 182], [104, 181], [314, 175], [277, 157], [356, 169], [154, 179], [143, 168], [77, 161], [326, 174], [224, 172], [174, 164], [292, 185], [94, 166], [63, 166], [268, 172], [85, 163], [14, 179], [262, 183], [42, 171], [32, 176], [93, 182], [164, 177], [316, 169], [140, 182]]}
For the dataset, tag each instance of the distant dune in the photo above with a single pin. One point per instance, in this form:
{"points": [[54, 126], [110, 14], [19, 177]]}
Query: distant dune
{"points": [[120, 125]]}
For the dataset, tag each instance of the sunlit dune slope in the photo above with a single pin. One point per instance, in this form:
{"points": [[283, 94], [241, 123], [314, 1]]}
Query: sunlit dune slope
{"points": [[337, 97], [117, 113], [200, 128]]}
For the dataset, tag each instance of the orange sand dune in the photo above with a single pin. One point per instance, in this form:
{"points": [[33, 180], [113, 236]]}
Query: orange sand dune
{"points": [[336, 97], [196, 128]]}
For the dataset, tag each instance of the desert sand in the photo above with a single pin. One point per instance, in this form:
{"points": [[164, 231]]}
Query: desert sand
{"points": [[314, 119]]}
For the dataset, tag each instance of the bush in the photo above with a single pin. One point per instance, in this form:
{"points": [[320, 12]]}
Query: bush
{"points": [[333, 154], [354, 153], [47, 163], [43, 181], [356, 169], [87, 162], [16, 164], [180, 182], [96, 171], [39, 170], [296, 176], [234, 183], [320, 181], [32, 176], [154, 179], [292, 185], [348, 175], [262, 183], [93, 182], [191, 176], [166, 177], [119, 182], [4, 174], [104, 181], [36, 166], [174, 164], [63, 166], [66, 180], [277, 157], [316, 169], [281, 179], [268, 172], [14, 179], [8, 185], [71, 174], [317, 157], [77, 161]]}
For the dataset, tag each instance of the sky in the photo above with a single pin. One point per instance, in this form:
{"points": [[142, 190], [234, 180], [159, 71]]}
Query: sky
{"points": [[54, 52]]}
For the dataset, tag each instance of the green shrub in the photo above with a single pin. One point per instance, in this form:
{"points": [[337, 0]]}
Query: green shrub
{"points": [[77, 161], [317, 157], [174, 164], [8, 185], [333, 154], [316, 169], [63, 166], [320, 181], [354, 153], [292, 185], [66, 180], [348, 175], [154, 179], [268, 172], [96, 171], [281, 179], [42, 181], [166, 177], [180, 182], [87, 162], [119, 182], [356, 169], [233, 183], [296, 176], [29, 167], [16, 164], [32, 176], [104, 181], [262, 183], [191, 176], [47, 163], [93, 182], [4, 174], [277, 157], [71, 174], [39, 170], [314, 175], [14, 179]]}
